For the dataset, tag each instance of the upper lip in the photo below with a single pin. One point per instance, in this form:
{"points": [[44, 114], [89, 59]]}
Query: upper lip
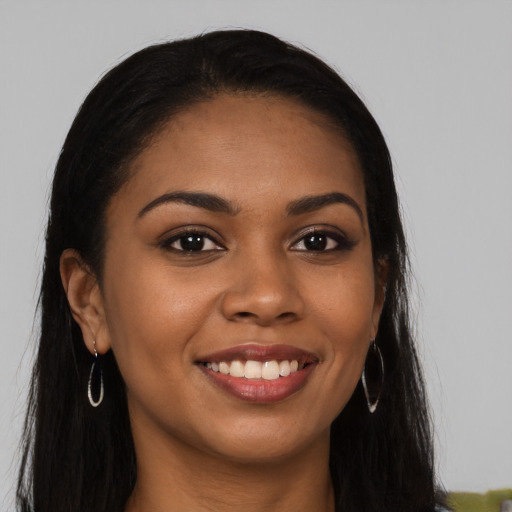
{"points": [[259, 352]]}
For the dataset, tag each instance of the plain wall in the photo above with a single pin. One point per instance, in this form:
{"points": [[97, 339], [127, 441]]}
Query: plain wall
{"points": [[437, 76]]}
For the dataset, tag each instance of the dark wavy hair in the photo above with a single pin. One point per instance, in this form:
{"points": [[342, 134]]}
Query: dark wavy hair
{"points": [[76, 458]]}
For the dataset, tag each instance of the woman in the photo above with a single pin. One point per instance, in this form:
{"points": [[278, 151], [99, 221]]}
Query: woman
{"points": [[224, 307]]}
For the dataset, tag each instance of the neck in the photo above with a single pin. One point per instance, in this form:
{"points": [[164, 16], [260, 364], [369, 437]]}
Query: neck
{"points": [[176, 477]]}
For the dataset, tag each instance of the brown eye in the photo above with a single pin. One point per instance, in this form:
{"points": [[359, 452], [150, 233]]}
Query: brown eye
{"points": [[191, 242], [321, 242], [316, 242]]}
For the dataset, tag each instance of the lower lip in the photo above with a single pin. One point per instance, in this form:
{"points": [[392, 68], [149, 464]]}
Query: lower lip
{"points": [[260, 390]]}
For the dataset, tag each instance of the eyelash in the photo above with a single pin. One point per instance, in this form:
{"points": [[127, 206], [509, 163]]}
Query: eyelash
{"points": [[168, 242], [342, 243]]}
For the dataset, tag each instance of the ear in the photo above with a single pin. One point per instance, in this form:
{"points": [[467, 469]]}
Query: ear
{"points": [[85, 300], [381, 279]]}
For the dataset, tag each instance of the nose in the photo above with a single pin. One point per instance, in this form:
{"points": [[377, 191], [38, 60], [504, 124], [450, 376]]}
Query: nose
{"points": [[262, 291]]}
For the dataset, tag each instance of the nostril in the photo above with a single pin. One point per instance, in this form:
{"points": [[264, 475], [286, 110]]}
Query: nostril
{"points": [[283, 317]]}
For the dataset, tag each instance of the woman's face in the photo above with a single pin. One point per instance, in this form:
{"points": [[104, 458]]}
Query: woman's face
{"points": [[240, 242]]}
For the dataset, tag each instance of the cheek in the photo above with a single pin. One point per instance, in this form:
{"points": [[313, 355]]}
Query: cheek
{"points": [[151, 317], [342, 310], [343, 305]]}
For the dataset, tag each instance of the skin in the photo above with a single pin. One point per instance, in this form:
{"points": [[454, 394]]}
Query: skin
{"points": [[160, 309]]}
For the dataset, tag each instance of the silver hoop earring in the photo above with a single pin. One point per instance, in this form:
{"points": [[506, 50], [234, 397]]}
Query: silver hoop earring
{"points": [[95, 380], [374, 366]]}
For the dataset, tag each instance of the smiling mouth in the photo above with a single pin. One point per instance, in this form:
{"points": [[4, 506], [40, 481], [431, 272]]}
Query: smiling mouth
{"points": [[259, 373], [252, 370]]}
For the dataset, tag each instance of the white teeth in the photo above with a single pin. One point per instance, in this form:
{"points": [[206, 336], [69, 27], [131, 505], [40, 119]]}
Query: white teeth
{"points": [[284, 368], [237, 369], [267, 370], [223, 367], [270, 370], [252, 370]]}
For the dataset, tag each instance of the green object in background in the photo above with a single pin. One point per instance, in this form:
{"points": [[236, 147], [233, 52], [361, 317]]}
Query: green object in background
{"points": [[473, 502]]}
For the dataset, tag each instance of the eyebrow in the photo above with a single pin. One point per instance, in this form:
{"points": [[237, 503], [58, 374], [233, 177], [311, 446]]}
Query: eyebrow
{"points": [[312, 203], [203, 200], [215, 203]]}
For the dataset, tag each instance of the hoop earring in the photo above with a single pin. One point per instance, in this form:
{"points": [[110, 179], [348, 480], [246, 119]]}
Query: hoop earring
{"points": [[375, 364], [95, 378]]}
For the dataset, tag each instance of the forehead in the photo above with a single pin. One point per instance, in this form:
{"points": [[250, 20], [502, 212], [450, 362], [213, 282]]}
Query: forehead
{"points": [[248, 147]]}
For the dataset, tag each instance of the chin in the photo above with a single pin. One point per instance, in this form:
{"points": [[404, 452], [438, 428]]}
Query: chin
{"points": [[263, 443]]}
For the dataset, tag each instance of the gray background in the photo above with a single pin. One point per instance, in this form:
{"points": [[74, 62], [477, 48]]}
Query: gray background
{"points": [[438, 77]]}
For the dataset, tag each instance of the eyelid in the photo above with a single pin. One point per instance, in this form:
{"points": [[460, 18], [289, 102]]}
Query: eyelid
{"points": [[173, 236], [342, 240]]}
